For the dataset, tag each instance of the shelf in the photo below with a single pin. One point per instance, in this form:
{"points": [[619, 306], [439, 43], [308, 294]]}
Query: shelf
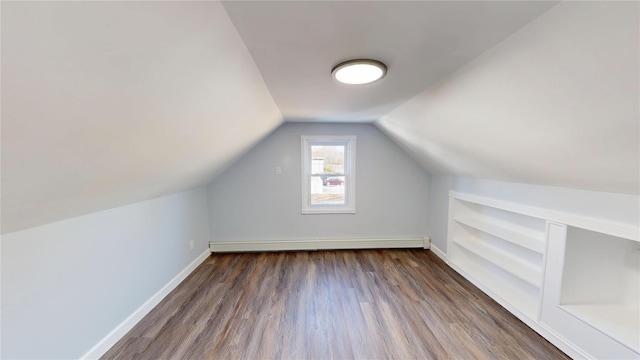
{"points": [[505, 261], [524, 301], [622, 230], [521, 239], [621, 323], [501, 250]]}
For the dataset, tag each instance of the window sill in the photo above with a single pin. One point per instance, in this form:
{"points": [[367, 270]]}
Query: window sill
{"points": [[327, 211]]}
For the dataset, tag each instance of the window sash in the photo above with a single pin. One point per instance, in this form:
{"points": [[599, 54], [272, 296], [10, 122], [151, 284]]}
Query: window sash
{"points": [[348, 173]]}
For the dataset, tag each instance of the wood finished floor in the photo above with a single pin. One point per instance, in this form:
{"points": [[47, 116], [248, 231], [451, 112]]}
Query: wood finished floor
{"points": [[360, 304]]}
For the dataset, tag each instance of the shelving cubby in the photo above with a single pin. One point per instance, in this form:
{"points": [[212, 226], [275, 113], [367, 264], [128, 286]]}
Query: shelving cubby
{"points": [[499, 249], [601, 284]]}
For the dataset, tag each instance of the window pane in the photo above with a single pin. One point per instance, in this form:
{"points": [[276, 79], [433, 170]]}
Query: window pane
{"points": [[328, 171], [327, 159], [327, 190]]}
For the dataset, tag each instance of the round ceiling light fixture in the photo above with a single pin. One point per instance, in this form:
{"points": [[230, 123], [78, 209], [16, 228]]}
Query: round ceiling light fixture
{"points": [[358, 72]]}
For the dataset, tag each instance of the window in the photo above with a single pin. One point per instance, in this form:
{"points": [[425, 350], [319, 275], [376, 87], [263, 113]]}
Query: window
{"points": [[328, 174]]}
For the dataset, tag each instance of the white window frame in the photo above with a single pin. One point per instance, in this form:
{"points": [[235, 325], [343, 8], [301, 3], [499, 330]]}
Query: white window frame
{"points": [[349, 142]]}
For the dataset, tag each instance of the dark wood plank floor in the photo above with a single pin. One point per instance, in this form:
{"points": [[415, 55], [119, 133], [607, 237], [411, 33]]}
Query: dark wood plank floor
{"points": [[361, 304]]}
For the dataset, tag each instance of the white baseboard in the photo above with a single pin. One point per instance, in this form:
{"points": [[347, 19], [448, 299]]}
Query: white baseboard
{"points": [[560, 342], [439, 253], [116, 334], [317, 244]]}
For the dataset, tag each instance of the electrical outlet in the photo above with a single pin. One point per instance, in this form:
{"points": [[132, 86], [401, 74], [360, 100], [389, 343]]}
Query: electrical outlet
{"points": [[278, 170], [192, 244]]}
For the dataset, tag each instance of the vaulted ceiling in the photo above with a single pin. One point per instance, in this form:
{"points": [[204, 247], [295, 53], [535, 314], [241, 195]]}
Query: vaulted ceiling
{"points": [[110, 103], [295, 44], [556, 103]]}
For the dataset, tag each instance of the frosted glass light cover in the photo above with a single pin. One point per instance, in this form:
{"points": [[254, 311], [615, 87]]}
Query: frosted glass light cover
{"points": [[358, 72]]}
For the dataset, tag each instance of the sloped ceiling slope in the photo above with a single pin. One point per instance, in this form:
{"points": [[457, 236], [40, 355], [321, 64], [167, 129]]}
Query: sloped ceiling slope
{"points": [[296, 44], [110, 103], [556, 103]]}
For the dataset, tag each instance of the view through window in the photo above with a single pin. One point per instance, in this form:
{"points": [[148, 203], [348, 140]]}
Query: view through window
{"points": [[329, 174]]}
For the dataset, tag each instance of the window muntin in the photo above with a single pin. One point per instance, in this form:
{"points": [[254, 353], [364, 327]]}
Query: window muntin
{"points": [[328, 184]]}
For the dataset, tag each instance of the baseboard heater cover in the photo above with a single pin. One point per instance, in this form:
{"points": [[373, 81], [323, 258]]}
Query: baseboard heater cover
{"points": [[318, 244]]}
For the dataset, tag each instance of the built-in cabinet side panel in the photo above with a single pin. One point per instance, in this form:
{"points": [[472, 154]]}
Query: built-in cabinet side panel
{"points": [[450, 224], [555, 262]]}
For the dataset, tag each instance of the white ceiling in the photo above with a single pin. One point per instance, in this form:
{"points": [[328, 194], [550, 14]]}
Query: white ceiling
{"points": [[109, 103], [295, 44]]}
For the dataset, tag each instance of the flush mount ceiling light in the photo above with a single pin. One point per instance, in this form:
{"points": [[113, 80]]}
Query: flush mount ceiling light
{"points": [[358, 72]]}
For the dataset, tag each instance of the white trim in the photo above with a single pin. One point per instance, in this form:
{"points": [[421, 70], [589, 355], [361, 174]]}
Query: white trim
{"points": [[121, 330], [562, 343], [349, 206], [314, 244], [439, 253], [544, 331], [598, 225], [426, 242]]}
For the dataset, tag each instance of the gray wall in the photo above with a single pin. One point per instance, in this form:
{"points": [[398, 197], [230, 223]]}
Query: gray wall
{"points": [[67, 284], [619, 208], [250, 202]]}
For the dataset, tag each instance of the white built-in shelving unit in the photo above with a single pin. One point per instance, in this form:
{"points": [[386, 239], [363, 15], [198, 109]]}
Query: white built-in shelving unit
{"points": [[493, 245], [573, 279]]}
